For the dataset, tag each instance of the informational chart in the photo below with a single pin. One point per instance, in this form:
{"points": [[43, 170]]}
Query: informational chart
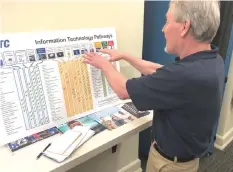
{"points": [[44, 82]]}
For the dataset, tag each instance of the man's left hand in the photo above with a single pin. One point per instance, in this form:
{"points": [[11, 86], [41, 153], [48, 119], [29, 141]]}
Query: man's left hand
{"points": [[96, 60]]}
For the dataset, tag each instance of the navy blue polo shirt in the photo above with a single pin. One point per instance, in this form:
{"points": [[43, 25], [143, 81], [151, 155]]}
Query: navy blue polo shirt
{"points": [[186, 97]]}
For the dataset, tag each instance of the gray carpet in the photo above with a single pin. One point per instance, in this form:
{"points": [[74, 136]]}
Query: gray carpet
{"points": [[219, 161]]}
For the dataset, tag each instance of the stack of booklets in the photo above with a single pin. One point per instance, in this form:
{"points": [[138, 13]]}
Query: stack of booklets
{"points": [[116, 116], [130, 108], [83, 121], [64, 145]]}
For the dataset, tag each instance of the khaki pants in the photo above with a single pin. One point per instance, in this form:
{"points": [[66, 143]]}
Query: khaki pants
{"points": [[157, 163]]}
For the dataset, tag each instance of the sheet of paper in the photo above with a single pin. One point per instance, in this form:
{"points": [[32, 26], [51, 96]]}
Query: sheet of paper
{"points": [[43, 82], [87, 133], [64, 141]]}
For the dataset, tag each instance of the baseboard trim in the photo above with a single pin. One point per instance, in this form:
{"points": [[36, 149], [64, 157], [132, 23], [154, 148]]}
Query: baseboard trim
{"points": [[139, 170], [222, 141], [134, 166]]}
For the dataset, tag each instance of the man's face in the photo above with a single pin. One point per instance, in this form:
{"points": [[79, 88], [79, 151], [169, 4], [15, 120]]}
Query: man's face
{"points": [[172, 33]]}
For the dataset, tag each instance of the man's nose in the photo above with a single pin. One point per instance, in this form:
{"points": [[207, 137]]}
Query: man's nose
{"points": [[163, 28]]}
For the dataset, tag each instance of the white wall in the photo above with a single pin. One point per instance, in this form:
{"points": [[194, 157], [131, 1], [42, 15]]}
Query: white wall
{"points": [[125, 159], [39, 15], [1, 24], [225, 128]]}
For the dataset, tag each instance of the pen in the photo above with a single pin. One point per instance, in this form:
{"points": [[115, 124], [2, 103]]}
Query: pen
{"points": [[43, 151]]}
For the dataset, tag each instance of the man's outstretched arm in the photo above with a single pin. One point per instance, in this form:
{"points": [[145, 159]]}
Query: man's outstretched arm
{"points": [[143, 66], [116, 80]]}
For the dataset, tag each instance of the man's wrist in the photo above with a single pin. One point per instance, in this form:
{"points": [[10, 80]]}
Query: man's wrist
{"points": [[108, 66], [124, 56]]}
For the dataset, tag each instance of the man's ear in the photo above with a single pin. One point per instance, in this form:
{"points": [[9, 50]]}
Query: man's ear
{"points": [[185, 28]]}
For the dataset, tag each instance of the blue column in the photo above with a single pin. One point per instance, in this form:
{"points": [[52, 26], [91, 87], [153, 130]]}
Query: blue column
{"points": [[153, 37], [153, 49]]}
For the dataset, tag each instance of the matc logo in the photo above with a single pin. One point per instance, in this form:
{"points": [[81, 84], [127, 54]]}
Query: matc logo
{"points": [[4, 43]]}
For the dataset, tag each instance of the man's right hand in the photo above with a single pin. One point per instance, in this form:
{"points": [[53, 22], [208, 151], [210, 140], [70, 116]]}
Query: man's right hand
{"points": [[143, 66], [114, 55]]}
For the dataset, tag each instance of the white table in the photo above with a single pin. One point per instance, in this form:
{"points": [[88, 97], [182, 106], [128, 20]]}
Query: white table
{"points": [[94, 156]]}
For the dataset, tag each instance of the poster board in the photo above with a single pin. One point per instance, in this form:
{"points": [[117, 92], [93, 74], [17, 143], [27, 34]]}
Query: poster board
{"points": [[43, 81]]}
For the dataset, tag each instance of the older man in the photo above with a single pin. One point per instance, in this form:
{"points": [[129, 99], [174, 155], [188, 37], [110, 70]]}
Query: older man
{"points": [[185, 95]]}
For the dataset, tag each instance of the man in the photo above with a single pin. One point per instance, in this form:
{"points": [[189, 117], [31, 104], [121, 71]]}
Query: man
{"points": [[185, 95]]}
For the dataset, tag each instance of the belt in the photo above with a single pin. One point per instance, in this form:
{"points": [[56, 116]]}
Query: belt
{"points": [[174, 159]]}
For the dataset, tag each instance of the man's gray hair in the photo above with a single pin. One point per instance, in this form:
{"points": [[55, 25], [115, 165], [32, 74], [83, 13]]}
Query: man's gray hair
{"points": [[204, 17]]}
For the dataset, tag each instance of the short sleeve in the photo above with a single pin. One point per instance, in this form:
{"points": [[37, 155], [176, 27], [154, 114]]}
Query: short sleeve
{"points": [[164, 89]]}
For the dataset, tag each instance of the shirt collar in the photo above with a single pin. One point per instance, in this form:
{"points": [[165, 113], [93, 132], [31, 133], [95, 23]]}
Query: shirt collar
{"points": [[207, 54]]}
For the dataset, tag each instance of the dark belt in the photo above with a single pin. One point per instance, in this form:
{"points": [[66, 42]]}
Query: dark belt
{"points": [[174, 159]]}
